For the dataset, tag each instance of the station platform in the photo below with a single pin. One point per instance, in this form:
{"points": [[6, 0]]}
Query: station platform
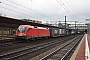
{"points": [[82, 52], [5, 38]]}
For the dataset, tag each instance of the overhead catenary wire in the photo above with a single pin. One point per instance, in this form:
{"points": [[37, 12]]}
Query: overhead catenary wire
{"points": [[13, 10], [63, 5], [68, 10], [74, 13], [7, 13], [19, 8], [44, 8], [71, 7], [23, 7], [35, 13], [29, 9]]}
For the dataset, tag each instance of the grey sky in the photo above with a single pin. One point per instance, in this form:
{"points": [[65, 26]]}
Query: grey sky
{"points": [[46, 10]]}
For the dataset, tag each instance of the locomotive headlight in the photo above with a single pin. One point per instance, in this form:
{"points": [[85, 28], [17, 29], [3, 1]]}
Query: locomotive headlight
{"points": [[24, 34]]}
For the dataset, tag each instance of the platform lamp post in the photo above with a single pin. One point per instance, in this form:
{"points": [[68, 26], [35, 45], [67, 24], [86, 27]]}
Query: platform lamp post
{"points": [[65, 22], [75, 24]]}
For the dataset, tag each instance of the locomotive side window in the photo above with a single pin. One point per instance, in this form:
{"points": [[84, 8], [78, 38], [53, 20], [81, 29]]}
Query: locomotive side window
{"points": [[28, 30], [21, 29]]}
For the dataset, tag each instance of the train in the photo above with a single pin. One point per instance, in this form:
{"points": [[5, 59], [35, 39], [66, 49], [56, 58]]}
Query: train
{"points": [[29, 32]]}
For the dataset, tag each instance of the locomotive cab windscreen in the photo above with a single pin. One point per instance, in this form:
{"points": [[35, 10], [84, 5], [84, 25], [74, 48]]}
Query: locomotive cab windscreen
{"points": [[21, 29]]}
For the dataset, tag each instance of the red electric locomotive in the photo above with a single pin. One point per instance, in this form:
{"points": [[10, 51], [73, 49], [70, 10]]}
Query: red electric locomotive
{"points": [[31, 32]]}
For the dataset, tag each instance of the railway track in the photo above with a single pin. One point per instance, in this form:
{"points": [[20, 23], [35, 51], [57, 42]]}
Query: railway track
{"points": [[5, 39], [63, 52], [8, 44], [20, 53], [17, 44], [11, 46]]}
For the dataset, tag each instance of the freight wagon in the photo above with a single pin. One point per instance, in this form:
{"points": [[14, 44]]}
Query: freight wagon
{"points": [[54, 32], [62, 32]]}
